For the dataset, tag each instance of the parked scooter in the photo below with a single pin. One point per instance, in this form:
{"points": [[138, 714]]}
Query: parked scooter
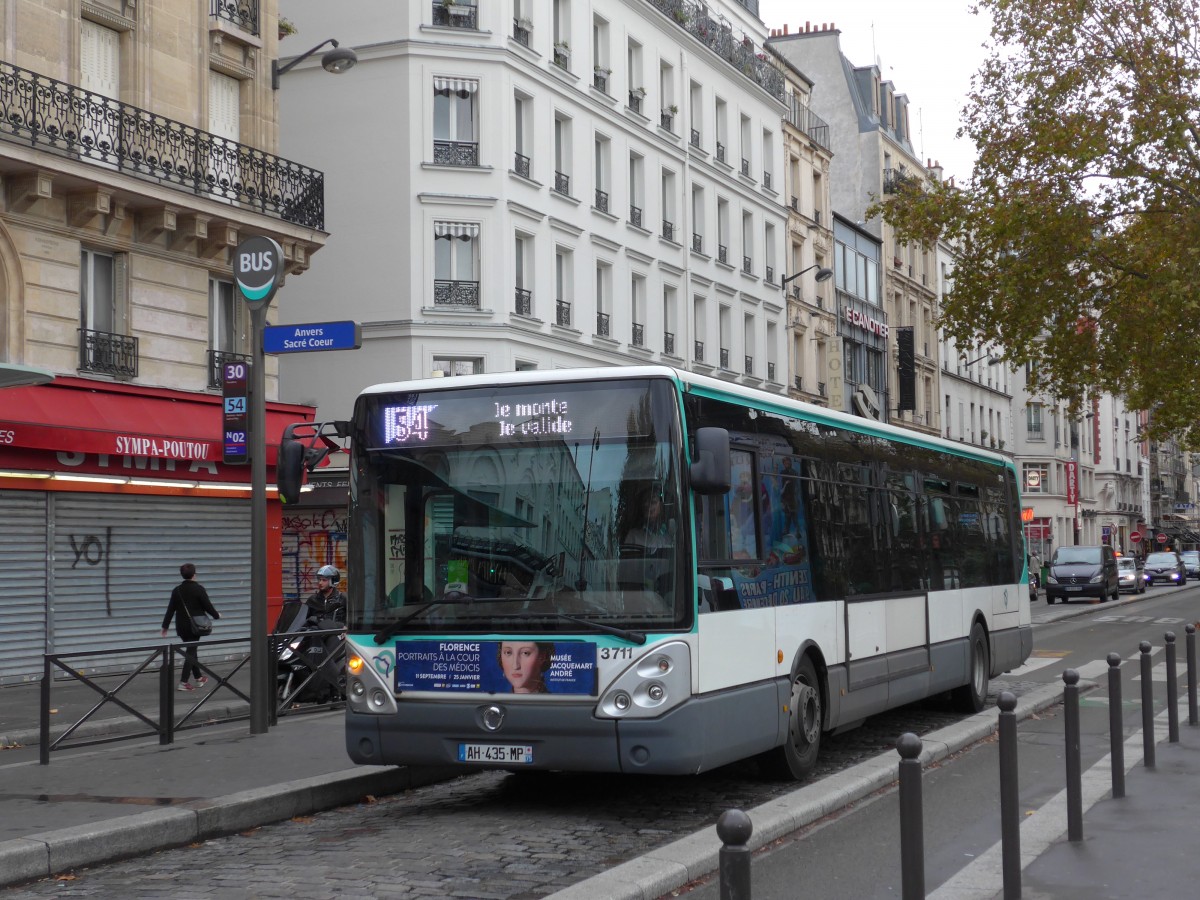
{"points": [[310, 667]]}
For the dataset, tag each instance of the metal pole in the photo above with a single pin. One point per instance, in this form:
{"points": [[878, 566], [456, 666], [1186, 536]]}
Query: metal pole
{"points": [[1116, 728], [1193, 718], [260, 682], [1010, 810], [734, 829], [1147, 707], [1172, 691], [912, 828], [1074, 768], [44, 715]]}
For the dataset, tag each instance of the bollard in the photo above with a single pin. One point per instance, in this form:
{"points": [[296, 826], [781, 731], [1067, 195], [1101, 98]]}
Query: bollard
{"points": [[1116, 727], [912, 827], [1074, 768], [1193, 718], [1172, 691], [734, 829], [1010, 811], [1147, 707]]}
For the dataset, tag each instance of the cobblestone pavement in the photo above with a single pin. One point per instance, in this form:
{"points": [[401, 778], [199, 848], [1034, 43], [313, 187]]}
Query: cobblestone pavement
{"points": [[490, 836]]}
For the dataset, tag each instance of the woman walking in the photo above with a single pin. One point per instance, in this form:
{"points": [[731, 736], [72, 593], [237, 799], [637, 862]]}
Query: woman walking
{"points": [[189, 599]]}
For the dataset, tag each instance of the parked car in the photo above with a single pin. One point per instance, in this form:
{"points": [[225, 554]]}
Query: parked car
{"points": [[1132, 574], [1166, 566], [1191, 562], [1084, 571]]}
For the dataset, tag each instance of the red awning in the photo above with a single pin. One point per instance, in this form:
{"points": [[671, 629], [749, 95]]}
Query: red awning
{"points": [[81, 416]]}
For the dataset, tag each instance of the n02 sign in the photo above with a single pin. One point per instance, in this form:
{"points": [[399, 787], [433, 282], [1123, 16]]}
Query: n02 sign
{"points": [[234, 420]]}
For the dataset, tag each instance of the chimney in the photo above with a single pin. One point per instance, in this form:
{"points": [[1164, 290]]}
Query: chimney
{"points": [[785, 29], [935, 171], [807, 26]]}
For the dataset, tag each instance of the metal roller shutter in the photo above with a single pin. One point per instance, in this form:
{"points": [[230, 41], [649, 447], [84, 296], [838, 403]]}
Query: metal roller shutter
{"points": [[23, 600], [117, 558]]}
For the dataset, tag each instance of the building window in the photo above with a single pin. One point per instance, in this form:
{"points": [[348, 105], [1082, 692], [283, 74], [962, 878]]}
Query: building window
{"points": [[456, 264], [1033, 422], [103, 346], [562, 155], [522, 133], [522, 251], [450, 366], [1035, 478], [455, 135], [225, 329], [97, 291]]}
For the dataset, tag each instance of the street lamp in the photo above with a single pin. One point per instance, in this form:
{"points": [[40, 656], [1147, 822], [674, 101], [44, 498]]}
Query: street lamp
{"points": [[823, 274], [337, 60], [992, 360]]}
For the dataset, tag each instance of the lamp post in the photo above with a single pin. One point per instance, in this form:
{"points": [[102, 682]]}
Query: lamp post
{"points": [[823, 274], [992, 360], [334, 61]]}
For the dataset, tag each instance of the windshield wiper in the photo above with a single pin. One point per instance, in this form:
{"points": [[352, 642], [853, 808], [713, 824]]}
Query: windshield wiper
{"points": [[451, 597], [634, 637]]}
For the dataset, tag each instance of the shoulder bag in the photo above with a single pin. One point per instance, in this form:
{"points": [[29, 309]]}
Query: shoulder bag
{"points": [[202, 624]]}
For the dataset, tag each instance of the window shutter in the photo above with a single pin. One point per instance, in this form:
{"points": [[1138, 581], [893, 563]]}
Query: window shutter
{"points": [[224, 106], [100, 59]]}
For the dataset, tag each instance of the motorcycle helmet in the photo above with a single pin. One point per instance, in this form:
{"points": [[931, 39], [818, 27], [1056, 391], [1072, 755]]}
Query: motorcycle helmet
{"points": [[331, 573]]}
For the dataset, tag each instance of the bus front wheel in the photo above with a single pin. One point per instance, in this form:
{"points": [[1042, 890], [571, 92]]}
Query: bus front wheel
{"points": [[971, 697], [798, 756]]}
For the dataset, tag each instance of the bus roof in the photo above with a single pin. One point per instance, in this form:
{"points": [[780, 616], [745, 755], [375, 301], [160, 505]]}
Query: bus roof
{"points": [[704, 384]]}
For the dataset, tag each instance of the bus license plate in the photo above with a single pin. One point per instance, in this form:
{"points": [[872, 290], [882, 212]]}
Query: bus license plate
{"points": [[519, 754]]}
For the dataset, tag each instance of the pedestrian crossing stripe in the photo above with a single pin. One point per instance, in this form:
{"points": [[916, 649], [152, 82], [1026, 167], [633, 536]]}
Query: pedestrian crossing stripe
{"points": [[1096, 668]]}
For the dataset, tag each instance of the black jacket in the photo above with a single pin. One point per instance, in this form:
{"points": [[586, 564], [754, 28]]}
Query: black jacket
{"points": [[188, 599]]}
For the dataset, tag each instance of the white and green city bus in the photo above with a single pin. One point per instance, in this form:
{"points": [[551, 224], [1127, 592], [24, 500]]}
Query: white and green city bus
{"points": [[801, 569]]}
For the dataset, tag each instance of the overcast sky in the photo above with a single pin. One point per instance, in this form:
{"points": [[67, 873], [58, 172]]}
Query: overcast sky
{"points": [[928, 49]]}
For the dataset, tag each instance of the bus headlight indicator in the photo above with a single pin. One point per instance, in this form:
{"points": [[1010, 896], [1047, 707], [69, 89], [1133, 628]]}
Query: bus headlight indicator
{"points": [[651, 685], [656, 692], [621, 701]]}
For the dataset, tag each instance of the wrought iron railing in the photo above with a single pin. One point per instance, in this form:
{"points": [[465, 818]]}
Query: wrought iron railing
{"points": [[562, 183], [722, 253], [821, 388], [107, 353], [696, 18], [216, 365], [770, 371], [667, 121], [697, 242], [601, 200], [799, 382], [770, 275], [894, 179], [635, 216], [600, 81], [747, 265], [635, 102], [459, 14], [524, 302], [639, 335], [521, 34], [60, 118], [562, 313], [724, 357], [668, 342], [668, 230], [766, 179], [698, 351], [695, 137], [462, 294], [521, 165], [811, 124], [749, 365], [456, 153], [720, 152], [562, 58], [795, 204], [242, 13], [745, 167], [602, 324]]}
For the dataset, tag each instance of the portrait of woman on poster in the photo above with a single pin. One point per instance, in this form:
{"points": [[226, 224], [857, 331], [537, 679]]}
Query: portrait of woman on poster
{"points": [[525, 663]]}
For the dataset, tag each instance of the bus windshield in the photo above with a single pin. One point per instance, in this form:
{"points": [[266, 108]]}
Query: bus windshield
{"points": [[538, 507]]}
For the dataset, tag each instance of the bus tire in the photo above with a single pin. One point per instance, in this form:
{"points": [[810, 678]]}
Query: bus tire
{"points": [[971, 697], [797, 758]]}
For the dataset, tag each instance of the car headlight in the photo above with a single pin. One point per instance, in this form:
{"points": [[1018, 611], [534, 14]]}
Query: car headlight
{"points": [[1050, 579]]}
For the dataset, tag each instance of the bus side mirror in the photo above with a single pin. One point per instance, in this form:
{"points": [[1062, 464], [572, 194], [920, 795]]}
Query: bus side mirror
{"points": [[710, 474], [289, 469]]}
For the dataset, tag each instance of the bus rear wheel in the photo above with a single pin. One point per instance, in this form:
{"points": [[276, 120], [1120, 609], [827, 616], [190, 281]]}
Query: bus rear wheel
{"points": [[970, 697], [797, 758]]}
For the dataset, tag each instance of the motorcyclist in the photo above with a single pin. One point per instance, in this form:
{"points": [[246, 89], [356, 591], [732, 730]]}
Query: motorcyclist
{"points": [[326, 599]]}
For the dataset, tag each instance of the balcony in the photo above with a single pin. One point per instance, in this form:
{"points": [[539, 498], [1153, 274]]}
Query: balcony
{"points": [[456, 14], [669, 343], [720, 152], [108, 354], [724, 357], [455, 153], [524, 300], [770, 371], [456, 294], [895, 179], [747, 265], [600, 80], [668, 230], [811, 124], [562, 184], [821, 388], [635, 216], [601, 200], [562, 57], [562, 313], [66, 120], [666, 121], [798, 381], [767, 180], [698, 351], [694, 138], [522, 31], [749, 365], [521, 165], [242, 13], [722, 254], [746, 167], [602, 324], [635, 102], [770, 279], [639, 335], [216, 366], [697, 242], [795, 204]]}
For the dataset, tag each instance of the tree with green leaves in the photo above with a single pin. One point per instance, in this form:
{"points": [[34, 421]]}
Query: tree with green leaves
{"points": [[1078, 234]]}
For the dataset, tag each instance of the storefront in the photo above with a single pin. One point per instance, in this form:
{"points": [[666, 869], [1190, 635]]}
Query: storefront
{"points": [[314, 532], [105, 489]]}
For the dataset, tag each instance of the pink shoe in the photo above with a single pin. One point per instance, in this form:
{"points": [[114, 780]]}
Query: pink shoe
{"points": [[201, 681], [185, 686]]}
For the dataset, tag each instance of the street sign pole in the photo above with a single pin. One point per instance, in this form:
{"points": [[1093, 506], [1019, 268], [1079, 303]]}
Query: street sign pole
{"points": [[260, 674]]}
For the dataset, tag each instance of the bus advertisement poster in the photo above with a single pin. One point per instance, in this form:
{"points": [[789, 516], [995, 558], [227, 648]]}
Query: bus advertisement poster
{"points": [[497, 667]]}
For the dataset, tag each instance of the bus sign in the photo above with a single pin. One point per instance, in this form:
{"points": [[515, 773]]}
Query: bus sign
{"points": [[234, 419]]}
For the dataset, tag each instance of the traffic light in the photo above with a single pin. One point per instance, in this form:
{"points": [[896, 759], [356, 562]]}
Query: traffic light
{"points": [[289, 469]]}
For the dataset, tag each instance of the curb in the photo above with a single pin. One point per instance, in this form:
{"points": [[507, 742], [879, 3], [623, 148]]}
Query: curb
{"points": [[669, 867], [50, 852]]}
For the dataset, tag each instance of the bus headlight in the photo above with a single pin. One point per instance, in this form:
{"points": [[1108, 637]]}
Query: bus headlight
{"points": [[651, 685], [369, 691]]}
